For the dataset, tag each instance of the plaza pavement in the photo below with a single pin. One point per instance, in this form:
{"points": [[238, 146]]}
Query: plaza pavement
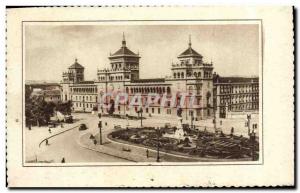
{"points": [[69, 144], [138, 153]]}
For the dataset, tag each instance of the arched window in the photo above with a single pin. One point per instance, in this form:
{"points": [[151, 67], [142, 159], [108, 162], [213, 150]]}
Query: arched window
{"points": [[199, 74], [195, 74], [168, 90], [174, 75], [182, 75], [208, 96], [190, 89], [159, 90], [178, 74], [127, 90]]}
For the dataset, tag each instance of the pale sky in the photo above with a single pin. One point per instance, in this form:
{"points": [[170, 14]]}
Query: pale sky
{"points": [[50, 50]]}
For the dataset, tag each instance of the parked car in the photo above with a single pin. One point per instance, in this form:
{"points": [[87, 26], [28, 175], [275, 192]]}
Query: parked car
{"points": [[167, 125], [117, 127], [52, 124], [82, 127], [68, 119]]}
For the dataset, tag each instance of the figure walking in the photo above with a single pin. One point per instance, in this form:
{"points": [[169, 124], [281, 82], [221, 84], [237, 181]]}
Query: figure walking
{"points": [[63, 160], [49, 130], [147, 153], [47, 143]]}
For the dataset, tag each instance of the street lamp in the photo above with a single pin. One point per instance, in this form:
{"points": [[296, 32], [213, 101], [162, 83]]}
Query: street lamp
{"points": [[158, 135], [83, 103], [192, 119], [100, 128], [252, 140], [141, 115], [248, 123]]}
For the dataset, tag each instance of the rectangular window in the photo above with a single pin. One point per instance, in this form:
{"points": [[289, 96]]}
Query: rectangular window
{"points": [[158, 110]]}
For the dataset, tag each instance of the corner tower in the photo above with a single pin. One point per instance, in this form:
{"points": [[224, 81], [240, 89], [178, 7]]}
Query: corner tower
{"points": [[75, 73]]}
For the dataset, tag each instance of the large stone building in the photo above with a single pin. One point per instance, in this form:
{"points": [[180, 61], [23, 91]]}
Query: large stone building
{"points": [[190, 75], [235, 96]]}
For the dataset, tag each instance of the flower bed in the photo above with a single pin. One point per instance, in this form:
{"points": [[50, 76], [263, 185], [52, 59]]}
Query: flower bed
{"points": [[195, 144]]}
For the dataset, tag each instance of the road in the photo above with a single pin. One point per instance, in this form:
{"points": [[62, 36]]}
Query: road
{"points": [[65, 145]]}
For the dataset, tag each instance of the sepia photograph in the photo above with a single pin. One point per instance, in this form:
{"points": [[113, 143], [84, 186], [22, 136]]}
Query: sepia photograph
{"points": [[142, 93], [150, 97]]}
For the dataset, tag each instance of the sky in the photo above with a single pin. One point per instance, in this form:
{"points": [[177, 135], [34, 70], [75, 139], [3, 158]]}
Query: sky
{"points": [[51, 49]]}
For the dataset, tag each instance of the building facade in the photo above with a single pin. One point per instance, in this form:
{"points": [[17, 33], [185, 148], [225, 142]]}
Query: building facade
{"points": [[191, 81], [235, 96]]}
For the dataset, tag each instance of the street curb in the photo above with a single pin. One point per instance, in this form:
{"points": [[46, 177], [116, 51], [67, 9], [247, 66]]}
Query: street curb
{"points": [[99, 151], [174, 155], [57, 134]]}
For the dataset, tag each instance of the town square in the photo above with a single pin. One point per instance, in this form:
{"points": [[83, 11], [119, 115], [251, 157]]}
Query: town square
{"points": [[192, 115]]}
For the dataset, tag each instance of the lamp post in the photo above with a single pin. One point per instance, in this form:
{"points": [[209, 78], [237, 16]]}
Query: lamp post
{"points": [[158, 135], [252, 139], [141, 115], [192, 119], [248, 123], [100, 128], [127, 120], [83, 103]]}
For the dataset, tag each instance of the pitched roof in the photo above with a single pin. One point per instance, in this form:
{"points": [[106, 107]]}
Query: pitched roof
{"points": [[76, 65], [52, 92], [124, 51], [189, 52], [236, 79]]}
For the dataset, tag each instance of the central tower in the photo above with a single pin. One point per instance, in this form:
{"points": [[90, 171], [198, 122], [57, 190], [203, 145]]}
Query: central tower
{"points": [[125, 61]]}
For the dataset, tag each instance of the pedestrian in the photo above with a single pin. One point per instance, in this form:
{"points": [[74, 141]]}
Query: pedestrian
{"points": [[63, 160], [61, 125], [49, 130], [95, 142], [47, 143], [147, 153]]}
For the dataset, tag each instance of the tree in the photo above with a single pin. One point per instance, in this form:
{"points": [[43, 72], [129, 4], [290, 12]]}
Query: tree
{"points": [[64, 107]]}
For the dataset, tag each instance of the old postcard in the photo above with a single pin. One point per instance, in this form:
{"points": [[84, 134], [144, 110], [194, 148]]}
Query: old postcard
{"points": [[150, 97]]}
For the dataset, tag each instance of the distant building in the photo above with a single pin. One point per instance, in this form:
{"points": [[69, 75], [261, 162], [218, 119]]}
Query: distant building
{"points": [[52, 96], [235, 95], [47, 95]]}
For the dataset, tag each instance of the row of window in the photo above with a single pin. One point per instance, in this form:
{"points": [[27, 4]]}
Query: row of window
{"points": [[240, 99], [187, 61], [251, 106], [146, 90], [238, 89], [84, 98], [84, 90], [84, 105], [196, 74], [111, 78]]}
